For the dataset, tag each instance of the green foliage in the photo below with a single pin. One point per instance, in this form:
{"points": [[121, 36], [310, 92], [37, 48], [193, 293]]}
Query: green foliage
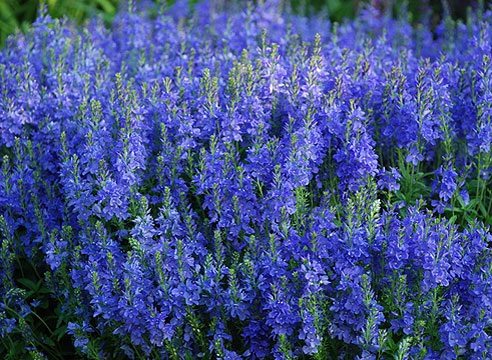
{"points": [[43, 330], [17, 15]]}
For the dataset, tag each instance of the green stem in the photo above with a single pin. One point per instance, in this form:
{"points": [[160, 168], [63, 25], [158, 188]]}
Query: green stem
{"points": [[479, 166], [8, 308]]}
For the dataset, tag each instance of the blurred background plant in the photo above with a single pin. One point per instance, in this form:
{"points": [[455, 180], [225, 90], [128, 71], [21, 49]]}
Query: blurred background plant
{"points": [[19, 14], [16, 15]]}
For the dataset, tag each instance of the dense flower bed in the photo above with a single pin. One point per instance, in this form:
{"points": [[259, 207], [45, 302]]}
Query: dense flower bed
{"points": [[247, 184]]}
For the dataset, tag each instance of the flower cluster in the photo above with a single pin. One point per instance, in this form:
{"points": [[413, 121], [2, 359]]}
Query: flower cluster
{"points": [[214, 182]]}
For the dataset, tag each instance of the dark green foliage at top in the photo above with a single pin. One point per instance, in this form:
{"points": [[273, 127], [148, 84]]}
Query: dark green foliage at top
{"points": [[18, 14]]}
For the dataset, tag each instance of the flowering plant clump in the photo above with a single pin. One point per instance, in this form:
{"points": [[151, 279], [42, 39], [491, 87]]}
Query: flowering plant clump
{"points": [[222, 183]]}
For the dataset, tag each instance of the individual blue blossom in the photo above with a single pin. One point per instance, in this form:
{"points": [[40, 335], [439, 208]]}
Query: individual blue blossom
{"points": [[80, 333], [445, 185], [414, 156], [389, 179]]}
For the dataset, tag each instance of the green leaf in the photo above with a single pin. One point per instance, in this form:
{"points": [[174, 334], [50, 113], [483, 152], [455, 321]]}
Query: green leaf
{"points": [[29, 284], [482, 209], [61, 317], [49, 342], [473, 202], [107, 6], [392, 346], [461, 201], [59, 332], [421, 185]]}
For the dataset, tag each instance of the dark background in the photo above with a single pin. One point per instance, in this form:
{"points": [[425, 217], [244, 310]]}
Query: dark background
{"points": [[18, 14]]}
